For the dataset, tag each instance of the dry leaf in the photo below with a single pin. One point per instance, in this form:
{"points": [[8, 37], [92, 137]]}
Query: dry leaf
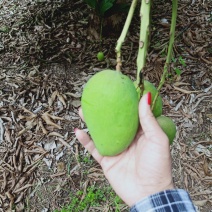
{"points": [[76, 103], [60, 167], [52, 98], [48, 162], [185, 91], [42, 127], [77, 95], [1, 131], [61, 98], [206, 168], [50, 146], [58, 156], [200, 202], [55, 134], [46, 118]]}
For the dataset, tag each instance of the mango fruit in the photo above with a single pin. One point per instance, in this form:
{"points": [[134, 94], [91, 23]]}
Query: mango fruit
{"points": [[110, 109], [168, 126], [100, 56], [149, 87]]}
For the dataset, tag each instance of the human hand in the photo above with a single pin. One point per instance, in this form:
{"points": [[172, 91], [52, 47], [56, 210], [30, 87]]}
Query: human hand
{"points": [[144, 168]]}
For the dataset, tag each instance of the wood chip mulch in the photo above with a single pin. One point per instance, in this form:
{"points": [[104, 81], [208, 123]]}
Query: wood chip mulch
{"points": [[45, 60]]}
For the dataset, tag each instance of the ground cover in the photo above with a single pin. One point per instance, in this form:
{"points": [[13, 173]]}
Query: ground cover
{"points": [[47, 54]]}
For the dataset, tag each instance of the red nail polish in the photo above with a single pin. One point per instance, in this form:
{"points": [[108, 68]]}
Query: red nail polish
{"points": [[149, 98], [75, 130]]}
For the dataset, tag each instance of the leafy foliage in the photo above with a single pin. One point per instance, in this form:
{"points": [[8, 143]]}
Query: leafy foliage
{"points": [[178, 71], [91, 3], [181, 61], [94, 197], [106, 8]]}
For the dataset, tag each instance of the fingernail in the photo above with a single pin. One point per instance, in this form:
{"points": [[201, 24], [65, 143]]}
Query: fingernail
{"points": [[75, 130], [149, 98]]}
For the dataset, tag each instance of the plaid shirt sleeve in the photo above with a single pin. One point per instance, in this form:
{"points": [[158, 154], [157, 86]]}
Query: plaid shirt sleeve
{"points": [[177, 200]]}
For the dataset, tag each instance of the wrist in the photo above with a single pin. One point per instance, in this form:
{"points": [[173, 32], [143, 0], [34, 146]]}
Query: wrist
{"points": [[150, 191]]}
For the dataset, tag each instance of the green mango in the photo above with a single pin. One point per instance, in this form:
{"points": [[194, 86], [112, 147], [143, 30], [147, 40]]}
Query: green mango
{"points": [[110, 109], [149, 87], [100, 56], [168, 126]]}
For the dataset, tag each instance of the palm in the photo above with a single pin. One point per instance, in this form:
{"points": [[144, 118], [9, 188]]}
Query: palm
{"points": [[143, 169]]}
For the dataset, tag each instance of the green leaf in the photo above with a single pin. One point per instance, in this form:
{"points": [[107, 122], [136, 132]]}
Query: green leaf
{"points": [[117, 8], [178, 71], [91, 3], [174, 60], [182, 61], [104, 6]]}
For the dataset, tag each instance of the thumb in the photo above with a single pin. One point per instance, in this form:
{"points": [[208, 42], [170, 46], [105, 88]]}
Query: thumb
{"points": [[148, 122]]}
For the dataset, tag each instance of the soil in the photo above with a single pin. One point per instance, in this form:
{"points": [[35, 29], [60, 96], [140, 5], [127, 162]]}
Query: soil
{"points": [[47, 54]]}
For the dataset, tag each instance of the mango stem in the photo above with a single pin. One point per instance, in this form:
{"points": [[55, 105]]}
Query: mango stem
{"points": [[143, 39], [169, 54], [124, 34]]}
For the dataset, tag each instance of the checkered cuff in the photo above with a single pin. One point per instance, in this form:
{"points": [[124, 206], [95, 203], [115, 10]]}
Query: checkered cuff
{"points": [[166, 201]]}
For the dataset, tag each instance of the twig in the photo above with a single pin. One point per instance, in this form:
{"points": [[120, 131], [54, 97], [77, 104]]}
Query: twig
{"points": [[12, 199], [1, 131], [124, 33], [64, 142], [144, 38], [57, 174], [26, 175], [185, 91], [22, 188], [169, 54]]}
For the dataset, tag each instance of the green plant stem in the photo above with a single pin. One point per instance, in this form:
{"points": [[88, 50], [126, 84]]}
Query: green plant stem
{"points": [[144, 37], [124, 34], [169, 54], [101, 27]]}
